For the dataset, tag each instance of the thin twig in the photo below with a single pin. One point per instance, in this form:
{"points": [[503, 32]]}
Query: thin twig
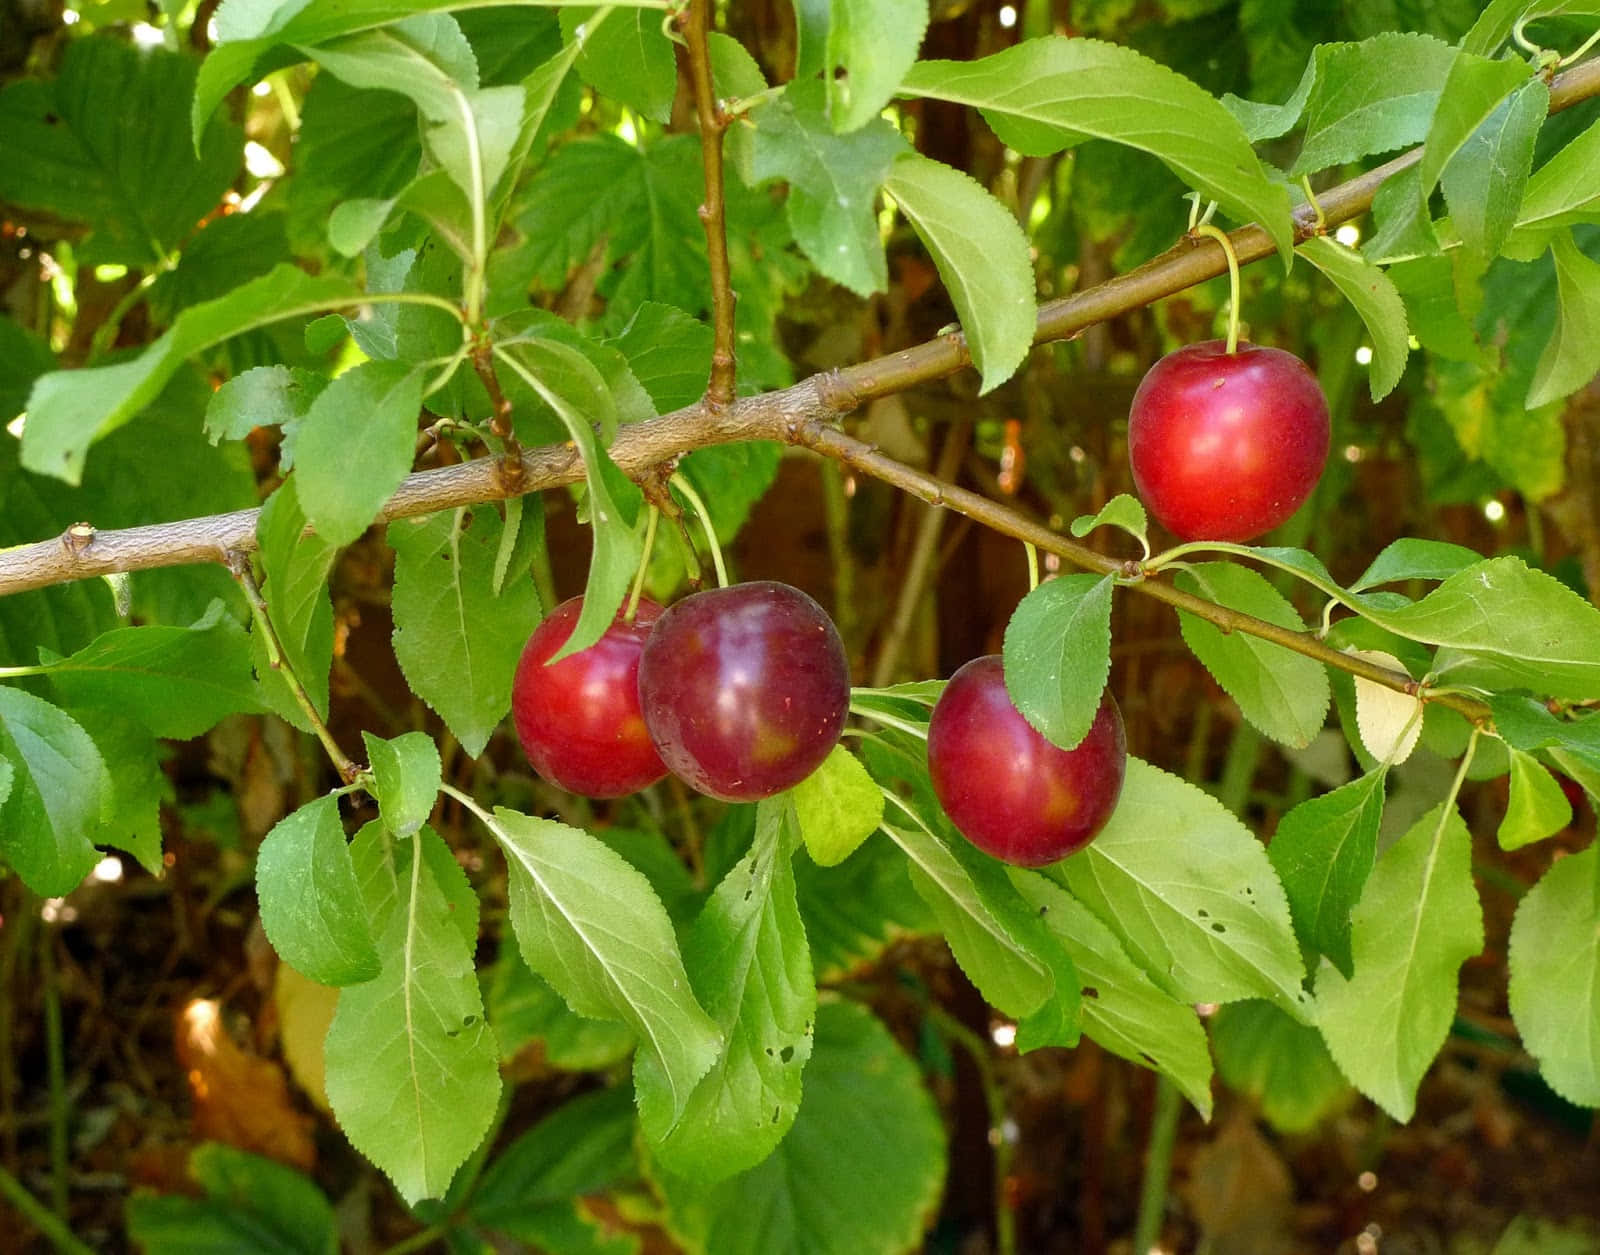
{"points": [[511, 468], [239, 565], [40, 1217], [696, 20]]}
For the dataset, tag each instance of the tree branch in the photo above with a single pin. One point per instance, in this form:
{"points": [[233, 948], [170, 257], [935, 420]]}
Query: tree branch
{"points": [[713, 213], [800, 415]]}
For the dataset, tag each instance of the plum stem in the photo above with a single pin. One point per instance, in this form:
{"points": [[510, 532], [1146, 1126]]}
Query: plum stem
{"points": [[682, 484], [644, 565], [1221, 237], [1033, 564]]}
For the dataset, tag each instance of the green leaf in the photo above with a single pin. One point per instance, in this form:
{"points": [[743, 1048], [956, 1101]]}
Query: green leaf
{"points": [[852, 912], [263, 396], [1190, 894], [1537, 808], [104, 145], [1282, 693], [69, 410], [412, 1074], [524, 1010], [1472, 92], [1371, 97], [60, 793], [967, 896], [251, 1205], [1413, 559], [591, 925], [1124, 511], [549, 367], [1044, 95], [627, 57], [1376, 299], [408, 776], [311, 907], [870, 46], [833, 182], [456, 640], [1123, 1010], [669, 354], [138, 785], [837, 807], [1058, 655], [1555, 976], [1323, 851], [298, 605], [1418, 920], [178, 682], [1526, 724], [748, 960], [1484, 182], [583, 1147], [860, 1172], [1283, 1065], [356, 446], [1562, 192], [1572, 357], [1524, 623], [982, 256]]}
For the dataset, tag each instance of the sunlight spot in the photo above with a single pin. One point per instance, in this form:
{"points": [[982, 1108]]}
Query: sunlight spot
{"points": [[108, 870], [147, 36], [1004, 1034], [1008, 16], [1494, 511], [1364, 354], [1349, 235]]}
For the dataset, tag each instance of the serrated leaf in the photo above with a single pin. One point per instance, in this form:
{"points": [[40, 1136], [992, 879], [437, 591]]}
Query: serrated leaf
{"points": [[1323, 851], [1418, 920], [962, 895], [1555, 976], [1283, 1065], [1484, 182], [628, 57], [837, 807], [1526, 624], [356, 446], [749, 962], [178, 682], [1190, 894], [1122, 1008], [591, 925], [543, 365], [1561, 192], [408, 776], [412, 1073], [1472, 92], [860, 1171], [581, 1148], [1376, 299], [298, 604], [1526, 724], [1390, 722], [669, 353], [251, 1205], [1047, 94], [263, 396], [1058, 655], [1537, 807], [60, 794], [852, 912], [1572, 356], [1282, 693], [457, 641], [69, 410], [982, 256], [833, 182], [524, 1009], [311, 907], [1124, 511], [870, 44], [1371, 97], [127, 172], [1413, 559]]}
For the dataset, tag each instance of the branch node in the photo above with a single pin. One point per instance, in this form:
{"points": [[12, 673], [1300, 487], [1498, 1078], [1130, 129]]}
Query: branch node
{"points": [[77, 538]]}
